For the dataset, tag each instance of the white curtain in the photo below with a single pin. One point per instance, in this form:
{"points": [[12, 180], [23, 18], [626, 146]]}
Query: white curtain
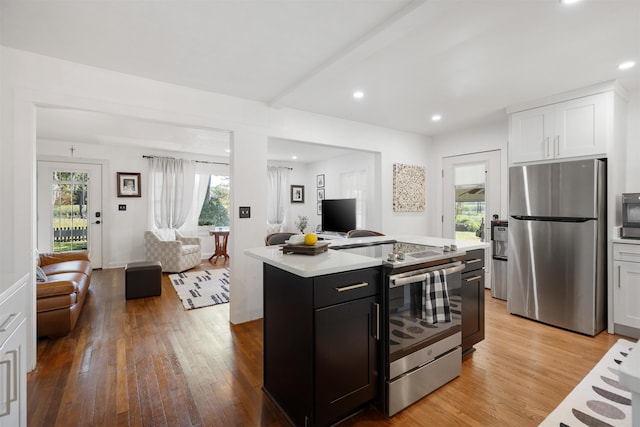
{"points": [[201, 186], [277, 195], [171, 188], [354, 185]]}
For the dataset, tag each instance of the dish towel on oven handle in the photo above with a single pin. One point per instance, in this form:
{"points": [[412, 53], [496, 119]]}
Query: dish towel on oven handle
{"points": [[435, 298]]}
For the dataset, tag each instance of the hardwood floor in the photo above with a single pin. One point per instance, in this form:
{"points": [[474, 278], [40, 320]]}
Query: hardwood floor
{"points": [[148, 362]]}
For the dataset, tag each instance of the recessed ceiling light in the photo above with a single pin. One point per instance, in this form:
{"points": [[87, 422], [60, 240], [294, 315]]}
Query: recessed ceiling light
{"points": [[294, 157], [570, 1], [436, 118], [626, 65], [358, 94], [227, 150]]}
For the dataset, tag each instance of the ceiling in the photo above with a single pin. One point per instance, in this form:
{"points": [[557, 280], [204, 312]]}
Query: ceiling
{"points": [[464, 59]]}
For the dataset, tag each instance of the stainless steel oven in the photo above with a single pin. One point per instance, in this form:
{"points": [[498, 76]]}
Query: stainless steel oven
{"points": [[422, 356], [631, 216], [417, 355]]}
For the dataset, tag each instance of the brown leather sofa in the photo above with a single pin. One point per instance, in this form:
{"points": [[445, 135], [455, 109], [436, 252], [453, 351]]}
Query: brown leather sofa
{"points": [[61, 296]]}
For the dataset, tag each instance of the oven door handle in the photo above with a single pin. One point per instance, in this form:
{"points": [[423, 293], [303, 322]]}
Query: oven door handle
{"points": [[401, 281]]}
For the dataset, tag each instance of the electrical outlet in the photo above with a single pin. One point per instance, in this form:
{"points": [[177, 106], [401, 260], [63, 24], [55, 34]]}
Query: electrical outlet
{"points": [[122, 207], [245, 212]]}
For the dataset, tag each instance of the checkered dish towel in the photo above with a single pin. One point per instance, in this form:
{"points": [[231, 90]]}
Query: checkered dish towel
{"points": [[435, 299]]}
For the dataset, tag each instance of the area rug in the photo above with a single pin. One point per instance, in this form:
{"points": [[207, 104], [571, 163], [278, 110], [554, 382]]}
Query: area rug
{"points": [[599, 400], [203, 288]]}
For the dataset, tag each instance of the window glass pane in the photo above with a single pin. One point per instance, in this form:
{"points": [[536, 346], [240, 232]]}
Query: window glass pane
{"points": [[215, 209], [69, 199]]}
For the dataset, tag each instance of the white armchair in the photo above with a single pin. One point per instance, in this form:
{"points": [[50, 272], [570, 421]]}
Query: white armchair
{"points": [[176, 252]]}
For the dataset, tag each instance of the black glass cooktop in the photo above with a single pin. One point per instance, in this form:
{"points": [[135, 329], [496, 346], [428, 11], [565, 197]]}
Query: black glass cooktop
{"points": [[382, 249]]}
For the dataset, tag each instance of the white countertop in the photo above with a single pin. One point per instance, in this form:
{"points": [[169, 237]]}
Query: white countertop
{"points": [[334, 261]]}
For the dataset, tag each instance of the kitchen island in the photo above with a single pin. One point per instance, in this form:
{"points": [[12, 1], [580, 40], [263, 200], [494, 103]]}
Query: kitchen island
{"points": [[335, 261], [324, 324]]}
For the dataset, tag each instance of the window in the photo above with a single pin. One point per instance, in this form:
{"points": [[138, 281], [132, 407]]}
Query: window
{"points": [[470, 203], [215, 209], [69, 197]]}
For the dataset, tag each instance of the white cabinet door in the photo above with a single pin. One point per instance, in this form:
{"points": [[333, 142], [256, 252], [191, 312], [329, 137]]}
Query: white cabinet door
{"points": [[582, 126], [530, 134], [579, 127], [13, 387], [626, 293]]}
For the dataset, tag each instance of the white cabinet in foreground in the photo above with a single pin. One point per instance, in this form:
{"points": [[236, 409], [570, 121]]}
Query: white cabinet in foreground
{"points": [[626, 289], [12, 378]]}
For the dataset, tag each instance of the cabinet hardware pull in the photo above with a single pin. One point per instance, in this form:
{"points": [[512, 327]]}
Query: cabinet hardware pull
{"points": [[14, 356], [377, 336], [629, 254], [619, 273], [473, 261], [9, 320], [350, 287], [6, 412], [556, 145], [546, 140], [472, 278]]}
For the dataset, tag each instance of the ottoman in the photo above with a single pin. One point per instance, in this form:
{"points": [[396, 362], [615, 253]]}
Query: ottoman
{"points": [[143, 279]]}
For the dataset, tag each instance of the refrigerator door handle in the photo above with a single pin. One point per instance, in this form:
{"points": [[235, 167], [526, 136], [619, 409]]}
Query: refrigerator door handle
{"points": [[550, 219]]}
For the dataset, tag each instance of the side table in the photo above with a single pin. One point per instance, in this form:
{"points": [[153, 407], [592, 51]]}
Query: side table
{"points": [[221, 239]]}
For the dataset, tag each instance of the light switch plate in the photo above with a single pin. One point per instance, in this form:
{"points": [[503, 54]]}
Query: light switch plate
{"points": [[245, 212]]}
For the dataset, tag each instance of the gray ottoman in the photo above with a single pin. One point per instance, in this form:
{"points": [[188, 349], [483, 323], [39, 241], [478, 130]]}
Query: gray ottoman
{"points": [[143, 279]]}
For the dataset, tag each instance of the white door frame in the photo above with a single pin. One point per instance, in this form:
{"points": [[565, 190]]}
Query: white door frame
{"points": [[493, 171], [95, 168]]}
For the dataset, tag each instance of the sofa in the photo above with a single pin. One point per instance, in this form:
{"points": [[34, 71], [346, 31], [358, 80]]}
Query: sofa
{"points": [[63, 280], [175, 252]]}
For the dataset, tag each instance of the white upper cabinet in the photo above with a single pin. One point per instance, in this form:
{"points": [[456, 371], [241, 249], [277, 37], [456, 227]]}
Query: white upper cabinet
{"points": [[530, 134], [579, 127], [583, 126]]}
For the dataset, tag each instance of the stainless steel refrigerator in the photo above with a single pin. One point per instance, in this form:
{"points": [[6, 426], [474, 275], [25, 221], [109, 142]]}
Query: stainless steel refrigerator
{"points": [[557, 244]]}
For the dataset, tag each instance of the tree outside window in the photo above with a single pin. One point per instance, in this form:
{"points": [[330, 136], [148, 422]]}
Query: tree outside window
{"points": [[215, 209]]}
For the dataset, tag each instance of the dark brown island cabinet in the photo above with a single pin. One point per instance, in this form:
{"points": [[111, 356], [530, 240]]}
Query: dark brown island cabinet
{"points": [[472, 300], [321, 343]]}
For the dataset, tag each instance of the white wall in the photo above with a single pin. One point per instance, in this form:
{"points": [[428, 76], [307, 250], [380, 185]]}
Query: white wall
{"points": [[8, 272], [393, 146], [633, 143], [486, 137], [122, 230], [30, 80], [306, 174]]}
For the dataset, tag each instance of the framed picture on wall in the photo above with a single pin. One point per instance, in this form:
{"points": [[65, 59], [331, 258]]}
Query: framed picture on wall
{"points": [[129, 184], [320, 181], [320, 194], [297, 194], [319, 208]]}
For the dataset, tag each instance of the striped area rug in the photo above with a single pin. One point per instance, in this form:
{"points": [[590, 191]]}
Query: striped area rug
{"points": [[203, 288], [599, 400]]}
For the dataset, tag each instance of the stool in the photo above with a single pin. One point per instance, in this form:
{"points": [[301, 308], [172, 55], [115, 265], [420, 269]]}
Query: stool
{"points": [[143, 279]]}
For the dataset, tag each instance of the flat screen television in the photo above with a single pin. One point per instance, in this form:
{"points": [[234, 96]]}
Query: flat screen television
{"points": [[338, 215]]}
